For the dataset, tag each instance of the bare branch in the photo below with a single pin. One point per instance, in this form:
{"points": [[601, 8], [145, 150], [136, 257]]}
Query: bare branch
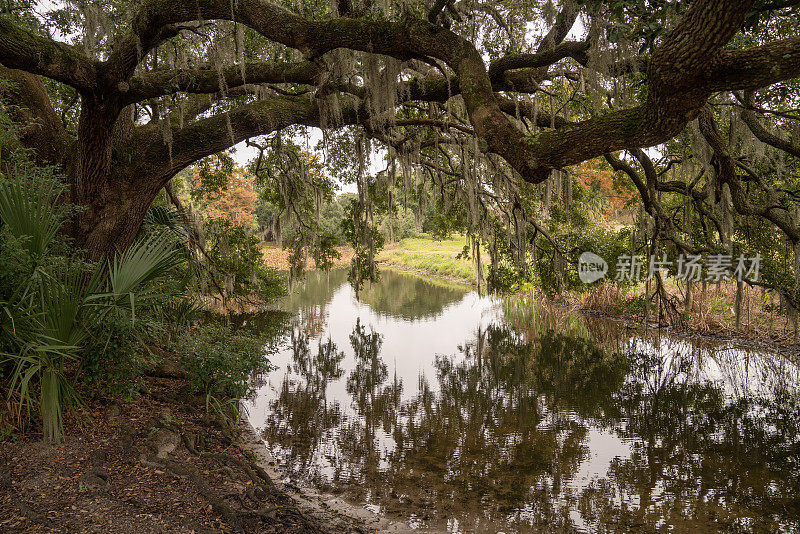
{"points": [[764, 135], [545, 58], [772, 209]]}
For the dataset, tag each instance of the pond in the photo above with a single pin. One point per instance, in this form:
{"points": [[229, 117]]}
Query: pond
{"points": [[463, 413]]}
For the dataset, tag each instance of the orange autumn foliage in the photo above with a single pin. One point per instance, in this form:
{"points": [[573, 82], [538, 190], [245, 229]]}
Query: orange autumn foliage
{"points": [[236, 202], [596, 173]]}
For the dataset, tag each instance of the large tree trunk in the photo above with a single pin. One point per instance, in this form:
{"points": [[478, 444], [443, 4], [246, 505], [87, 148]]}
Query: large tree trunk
{"points": [[110, 222], [113, 201], [112, 205], [40, 128]]}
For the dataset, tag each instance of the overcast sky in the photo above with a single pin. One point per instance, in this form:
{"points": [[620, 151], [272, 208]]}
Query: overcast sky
{"points": [[246, 153]]}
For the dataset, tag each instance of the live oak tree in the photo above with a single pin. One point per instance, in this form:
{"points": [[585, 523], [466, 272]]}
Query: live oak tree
{"points": [[485, 94]]}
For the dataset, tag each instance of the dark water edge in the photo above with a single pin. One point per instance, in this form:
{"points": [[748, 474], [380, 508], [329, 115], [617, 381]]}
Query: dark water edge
{"points": [[465, 413]]}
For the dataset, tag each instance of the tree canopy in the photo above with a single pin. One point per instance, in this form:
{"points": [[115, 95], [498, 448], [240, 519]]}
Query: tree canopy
{"points": [[479, 99]]}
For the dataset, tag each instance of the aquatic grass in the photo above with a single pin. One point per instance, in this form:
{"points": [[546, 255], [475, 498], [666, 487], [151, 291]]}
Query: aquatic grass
{"points": [[532, 313], [602, 296]]}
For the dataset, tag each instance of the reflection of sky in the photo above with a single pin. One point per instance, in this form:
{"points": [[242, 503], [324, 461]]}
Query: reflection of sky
{"points": [[409, 346], [409, 350]]}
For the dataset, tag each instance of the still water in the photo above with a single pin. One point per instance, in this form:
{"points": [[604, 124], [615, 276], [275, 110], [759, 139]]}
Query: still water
{"points": [[462, 413]]}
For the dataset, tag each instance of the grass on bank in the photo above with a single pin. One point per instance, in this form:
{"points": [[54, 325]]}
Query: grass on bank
{"points": [[710, 310], [436, 257], [422, 254]]}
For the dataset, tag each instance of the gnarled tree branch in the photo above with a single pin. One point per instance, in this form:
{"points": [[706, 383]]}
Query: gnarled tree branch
{"points": [[24, 50]]}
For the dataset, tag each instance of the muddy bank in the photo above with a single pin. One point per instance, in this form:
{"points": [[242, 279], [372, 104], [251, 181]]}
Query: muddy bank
{"points": [[329, 508], [155, 464]]}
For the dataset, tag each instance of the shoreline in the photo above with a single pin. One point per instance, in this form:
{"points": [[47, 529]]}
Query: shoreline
{"points": [[423, 273], [327, 507], [632, 321], [689, 334], [160, 463], [635, 322]]}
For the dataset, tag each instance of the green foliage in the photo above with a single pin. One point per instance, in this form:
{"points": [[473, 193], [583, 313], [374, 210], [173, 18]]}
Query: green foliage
{"points": [[70, 326], [330, 219], [115, 353], [327, 254], [296, 203], [238, 263], [441, 222], [366, 241], [52, 302], [398, 225], [180, 312], [144, 261], [220, 362], [26, 210], [212, 175], [502, 278]]}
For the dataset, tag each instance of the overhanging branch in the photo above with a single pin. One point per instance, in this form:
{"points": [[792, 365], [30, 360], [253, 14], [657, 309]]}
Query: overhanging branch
{"points": [[24, 50], [210, 80]]}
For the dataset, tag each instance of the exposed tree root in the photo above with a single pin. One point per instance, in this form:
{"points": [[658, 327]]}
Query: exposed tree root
{"points": [[259, 488]]}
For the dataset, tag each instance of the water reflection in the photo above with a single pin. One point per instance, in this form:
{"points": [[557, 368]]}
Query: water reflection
{"points": [[457, 421], [395, 295], [411, 297]]}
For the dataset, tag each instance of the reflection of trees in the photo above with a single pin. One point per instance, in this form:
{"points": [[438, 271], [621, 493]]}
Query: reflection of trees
{"points": [[396, 295], [269, 324], [478, 444], [500, 433], [486, 442], [313, 319], [317, 368], [576, 375], [409, 297], [370, 371], [310, 299], [316, 289], [703, 461], [301, 414], [375, 404]]}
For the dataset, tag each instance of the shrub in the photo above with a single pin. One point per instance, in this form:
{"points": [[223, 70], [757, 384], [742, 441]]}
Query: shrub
{"points": [[235, 263], [50, 301], [220, 362], [115, 355]]}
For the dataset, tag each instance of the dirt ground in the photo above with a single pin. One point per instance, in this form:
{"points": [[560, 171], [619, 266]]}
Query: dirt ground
{"points": [[156, 464], [278, 258]]}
